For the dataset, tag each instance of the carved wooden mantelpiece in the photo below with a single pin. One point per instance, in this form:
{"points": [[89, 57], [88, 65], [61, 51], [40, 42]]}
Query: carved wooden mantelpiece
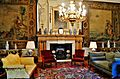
{"points": [[42, 39]]}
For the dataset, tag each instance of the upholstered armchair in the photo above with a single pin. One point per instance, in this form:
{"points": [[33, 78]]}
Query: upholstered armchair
{"points": [[78, 56], [48, 57]]}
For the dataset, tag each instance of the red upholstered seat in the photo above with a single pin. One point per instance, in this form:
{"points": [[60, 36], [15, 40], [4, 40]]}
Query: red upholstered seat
{"points": [[47, 57], [78, 56]]}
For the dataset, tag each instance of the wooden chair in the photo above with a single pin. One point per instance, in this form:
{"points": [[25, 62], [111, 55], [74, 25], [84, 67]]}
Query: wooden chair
{"points": [[47, 57], [78, 57]]}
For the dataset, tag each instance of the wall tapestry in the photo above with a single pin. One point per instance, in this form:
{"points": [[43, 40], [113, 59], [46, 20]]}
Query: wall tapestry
{"points": [[17, 22], [13, 22], [17, 19], [100, 24]]}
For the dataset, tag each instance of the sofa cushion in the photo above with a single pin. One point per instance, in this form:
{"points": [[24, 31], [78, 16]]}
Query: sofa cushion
{"points": [[110, 56], [103, 64], [13, 59], [27, 60], [116, 59], [97, 56], [117, 55]]}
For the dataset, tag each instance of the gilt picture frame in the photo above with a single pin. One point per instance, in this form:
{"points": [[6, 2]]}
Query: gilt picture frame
{"points": [[56, 23]]}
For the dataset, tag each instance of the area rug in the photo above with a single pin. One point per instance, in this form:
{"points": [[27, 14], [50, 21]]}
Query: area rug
{"points": [[75, 72]]}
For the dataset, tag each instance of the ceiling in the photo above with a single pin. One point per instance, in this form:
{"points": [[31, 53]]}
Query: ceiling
{"points": [[113, 1]]}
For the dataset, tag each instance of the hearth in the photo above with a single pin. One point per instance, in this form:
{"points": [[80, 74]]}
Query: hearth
{"points": [[62, 51]]}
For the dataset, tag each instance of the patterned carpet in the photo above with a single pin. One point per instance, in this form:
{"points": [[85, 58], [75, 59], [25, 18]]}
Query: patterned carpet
{"points": [[66, 71]]}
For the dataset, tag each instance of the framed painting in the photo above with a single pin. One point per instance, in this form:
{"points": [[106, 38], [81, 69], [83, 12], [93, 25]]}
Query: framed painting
{"points": [[56, 23], [100, 24]]}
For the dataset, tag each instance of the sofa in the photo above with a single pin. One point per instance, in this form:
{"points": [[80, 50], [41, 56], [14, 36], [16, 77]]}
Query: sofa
{"points": [[105, 61], [18, 67]]}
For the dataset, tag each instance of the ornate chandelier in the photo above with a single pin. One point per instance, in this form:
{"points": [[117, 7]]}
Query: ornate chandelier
{"points": [[72, 13]]}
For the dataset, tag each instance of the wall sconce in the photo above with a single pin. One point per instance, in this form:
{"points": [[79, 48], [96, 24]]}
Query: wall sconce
{"points": [[93, 45]]}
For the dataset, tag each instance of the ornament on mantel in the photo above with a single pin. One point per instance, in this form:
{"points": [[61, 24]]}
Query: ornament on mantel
{"points": [[39, 32], [102, 44], [70, 32], [45, 31], [114, 44], [108, 44], [15, 46], [7, 45]]}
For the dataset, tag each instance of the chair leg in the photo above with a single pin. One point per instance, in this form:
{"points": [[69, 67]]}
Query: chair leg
{"points": [[56, 64], [43, 65], [83, 64], [72, 63]]}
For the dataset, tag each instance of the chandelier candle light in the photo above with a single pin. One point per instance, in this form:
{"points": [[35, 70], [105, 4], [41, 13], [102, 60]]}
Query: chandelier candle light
{"points": [[73, 13]]}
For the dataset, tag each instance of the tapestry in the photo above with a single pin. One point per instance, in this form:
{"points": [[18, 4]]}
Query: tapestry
{"points": [[17, 19], [13, 22]]}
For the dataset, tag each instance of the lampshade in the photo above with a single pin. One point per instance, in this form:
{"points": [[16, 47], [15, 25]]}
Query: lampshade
{"points": [[93, 45], [30, 45]]}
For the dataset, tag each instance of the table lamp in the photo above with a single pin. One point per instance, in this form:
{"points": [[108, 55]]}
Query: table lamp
{"points": [[93, 45], [30, 45]]}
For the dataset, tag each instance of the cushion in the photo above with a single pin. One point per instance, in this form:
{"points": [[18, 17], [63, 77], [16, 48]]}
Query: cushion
{"points": [[117, 55], [98, 58], [79, 53], [13, 59], [103, 64], [97, 54], [27, 60], [117, 59], [110, 56], [24, 52]]}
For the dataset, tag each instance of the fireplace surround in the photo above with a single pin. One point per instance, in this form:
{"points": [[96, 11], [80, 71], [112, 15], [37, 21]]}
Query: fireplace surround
{"points": [[61, 47], [44, 41]]}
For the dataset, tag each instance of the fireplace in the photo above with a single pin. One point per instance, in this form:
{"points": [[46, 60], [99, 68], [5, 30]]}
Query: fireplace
{"points": [[44, 42], [62, 51]]}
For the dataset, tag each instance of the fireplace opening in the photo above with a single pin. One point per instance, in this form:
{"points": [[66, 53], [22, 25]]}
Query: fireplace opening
{"points": [[62, 51]]}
